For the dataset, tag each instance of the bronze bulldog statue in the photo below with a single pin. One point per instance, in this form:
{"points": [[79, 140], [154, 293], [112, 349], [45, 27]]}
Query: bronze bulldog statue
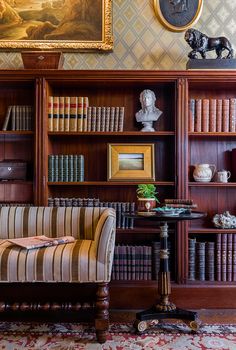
{"points": [[201, 43]]}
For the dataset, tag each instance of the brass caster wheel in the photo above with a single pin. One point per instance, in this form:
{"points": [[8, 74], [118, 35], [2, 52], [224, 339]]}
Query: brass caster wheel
{"points": [[195, 325], [140, 326]]}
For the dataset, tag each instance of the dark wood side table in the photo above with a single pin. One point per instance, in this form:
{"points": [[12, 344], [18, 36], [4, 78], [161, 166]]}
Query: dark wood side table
{"points": [[165, 309]]}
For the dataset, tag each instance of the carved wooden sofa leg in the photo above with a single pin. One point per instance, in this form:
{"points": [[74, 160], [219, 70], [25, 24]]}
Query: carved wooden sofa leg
{"points": [[102, 312]]}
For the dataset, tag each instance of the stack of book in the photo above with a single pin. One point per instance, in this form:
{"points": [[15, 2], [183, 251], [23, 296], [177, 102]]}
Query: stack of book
{"points": [[120, 207], [213, 261], [212, 115], [188, 204], [105, 119], [18, 118], [65, 167], [139, 262], [73, 114]]}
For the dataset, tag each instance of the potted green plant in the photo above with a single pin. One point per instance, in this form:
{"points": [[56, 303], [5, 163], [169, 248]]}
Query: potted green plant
{"points": [[147, 198]]}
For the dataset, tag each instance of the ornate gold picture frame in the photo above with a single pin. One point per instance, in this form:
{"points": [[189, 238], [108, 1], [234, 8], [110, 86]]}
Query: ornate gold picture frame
{"points": [[178, 15], [65, 25], [133, 161]]}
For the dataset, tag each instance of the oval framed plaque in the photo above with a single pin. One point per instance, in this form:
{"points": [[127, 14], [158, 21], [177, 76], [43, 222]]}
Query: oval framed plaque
{"points": [[178, 15]]}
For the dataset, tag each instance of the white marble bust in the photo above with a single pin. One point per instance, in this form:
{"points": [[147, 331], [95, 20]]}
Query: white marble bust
{"points": [[149, 113]]}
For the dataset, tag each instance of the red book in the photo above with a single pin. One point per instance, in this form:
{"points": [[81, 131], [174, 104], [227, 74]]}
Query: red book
{"points": [[212, 115], [232, 114], [205, 115], [225, 115], [224, 257], [218, 257], [234, 258], [218, 115]]}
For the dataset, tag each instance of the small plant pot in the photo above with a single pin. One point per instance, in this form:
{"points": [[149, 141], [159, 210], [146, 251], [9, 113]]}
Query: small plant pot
{"points": [[146, 204]]}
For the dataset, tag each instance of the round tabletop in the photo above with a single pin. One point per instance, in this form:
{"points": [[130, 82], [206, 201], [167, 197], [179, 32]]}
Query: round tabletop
{"points": [[166, 217]]}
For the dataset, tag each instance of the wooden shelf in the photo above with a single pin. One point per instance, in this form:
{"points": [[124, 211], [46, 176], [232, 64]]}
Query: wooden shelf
{"points": [[210, 134], [16, 182], [211, 230], [15, 132], [110, 183], [212, 184], [123, 133]]}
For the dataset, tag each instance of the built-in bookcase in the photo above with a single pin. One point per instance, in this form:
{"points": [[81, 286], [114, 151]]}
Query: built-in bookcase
{"points": [[177, 149]]}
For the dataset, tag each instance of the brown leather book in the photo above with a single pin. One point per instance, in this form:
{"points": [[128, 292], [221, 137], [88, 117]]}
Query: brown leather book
{"points": [[205, 114]]}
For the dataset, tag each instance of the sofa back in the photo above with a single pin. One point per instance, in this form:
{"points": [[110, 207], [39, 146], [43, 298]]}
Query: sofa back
{"points": [[79, 222]]}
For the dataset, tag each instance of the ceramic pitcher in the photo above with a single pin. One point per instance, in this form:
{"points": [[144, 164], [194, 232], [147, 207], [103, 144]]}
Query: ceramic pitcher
{"points": [[204, 172]]}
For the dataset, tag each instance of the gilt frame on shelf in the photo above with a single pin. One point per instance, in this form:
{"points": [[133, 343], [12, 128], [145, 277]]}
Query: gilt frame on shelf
{"points": [[131, 162], [61, 25]]}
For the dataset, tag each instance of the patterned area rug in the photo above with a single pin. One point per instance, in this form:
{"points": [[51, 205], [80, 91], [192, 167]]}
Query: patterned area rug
{"points": [[67, 336]]}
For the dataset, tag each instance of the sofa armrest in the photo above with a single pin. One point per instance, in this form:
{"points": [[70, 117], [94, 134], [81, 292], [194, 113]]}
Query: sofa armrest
{"points": [[105, 243]]}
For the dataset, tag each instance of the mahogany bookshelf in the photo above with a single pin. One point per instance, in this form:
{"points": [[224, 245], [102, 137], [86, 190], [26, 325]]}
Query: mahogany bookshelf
{"points": [[176, 151]]}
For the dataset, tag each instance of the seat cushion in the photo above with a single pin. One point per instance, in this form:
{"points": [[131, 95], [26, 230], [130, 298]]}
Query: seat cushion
{"points": [[71, 262]]}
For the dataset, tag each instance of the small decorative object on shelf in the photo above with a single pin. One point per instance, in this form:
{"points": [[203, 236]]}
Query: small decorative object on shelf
{"points": [[149, 113], [222, 175], [225, 220], [201, 43], [204, 172], [147, 198]]}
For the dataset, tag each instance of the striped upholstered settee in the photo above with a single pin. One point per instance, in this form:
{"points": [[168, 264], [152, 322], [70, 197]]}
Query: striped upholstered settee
{"points": [[87, 260]]}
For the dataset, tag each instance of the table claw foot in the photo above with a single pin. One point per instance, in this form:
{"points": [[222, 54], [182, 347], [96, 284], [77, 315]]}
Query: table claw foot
{"points": [[193, 325], [140, 326]]}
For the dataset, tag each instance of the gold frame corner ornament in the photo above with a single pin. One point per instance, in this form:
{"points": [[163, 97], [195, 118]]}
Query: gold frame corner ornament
{"points": [[105, 44], [161, 17]]}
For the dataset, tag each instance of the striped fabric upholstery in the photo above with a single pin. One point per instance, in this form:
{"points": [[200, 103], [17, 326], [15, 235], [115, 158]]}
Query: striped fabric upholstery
{"points": [[88, 259]]}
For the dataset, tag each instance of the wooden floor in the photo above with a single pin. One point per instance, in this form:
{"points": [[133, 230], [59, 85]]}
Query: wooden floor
{"points": [[210, 316]]}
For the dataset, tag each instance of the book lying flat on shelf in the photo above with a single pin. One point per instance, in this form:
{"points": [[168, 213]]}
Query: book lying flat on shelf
{"points": [[34, 242]]}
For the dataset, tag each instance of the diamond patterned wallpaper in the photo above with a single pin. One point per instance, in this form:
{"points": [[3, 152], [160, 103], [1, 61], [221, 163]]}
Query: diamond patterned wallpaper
{"points": [[141, 42]]}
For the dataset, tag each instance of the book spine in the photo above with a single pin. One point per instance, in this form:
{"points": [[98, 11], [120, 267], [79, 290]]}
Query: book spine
{"points": [[98, 119], [210, 261], [107, 124], [94, 119], [229, 256], [13, 118], [205, 115], [201, 260], [80, 116], [234, 258], [224, 257], [212, 115], [73, 113], [85, 113], [116, 119], [56, 113], [219, 115], [89, 123], [60, 168], [192, 259], [121, 119], [232, 114], [67, 113], [7, 118], [225, 115], [112, 119], [218, 257], [61, 113], [191, 115], [56, 167], [198, 119], [65, 167], [50, 167]]}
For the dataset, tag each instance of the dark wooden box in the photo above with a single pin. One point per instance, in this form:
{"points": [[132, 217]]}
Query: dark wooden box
{"points": [[13, 169], [42, 59]]}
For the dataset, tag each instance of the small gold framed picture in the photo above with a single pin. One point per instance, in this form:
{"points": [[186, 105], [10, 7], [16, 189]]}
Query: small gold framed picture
{"points": [[132, 161]]}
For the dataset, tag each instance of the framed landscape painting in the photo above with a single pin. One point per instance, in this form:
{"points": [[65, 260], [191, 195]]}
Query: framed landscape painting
{"points": [[65, 25], [131, 162]]}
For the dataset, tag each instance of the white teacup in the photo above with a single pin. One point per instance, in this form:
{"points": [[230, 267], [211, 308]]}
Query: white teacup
{"points": [[223, 175]]}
